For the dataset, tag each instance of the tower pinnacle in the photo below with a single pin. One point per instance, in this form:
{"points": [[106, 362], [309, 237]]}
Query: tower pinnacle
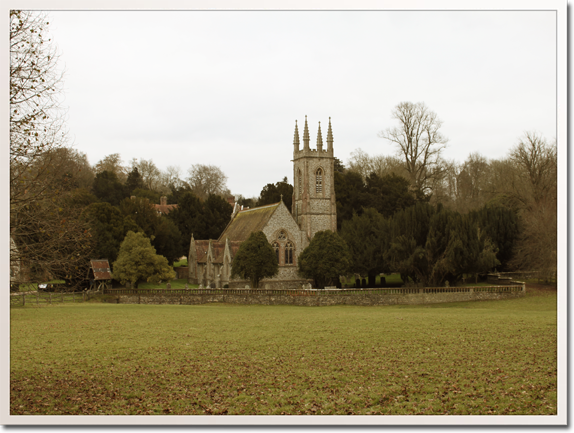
{"points": [[306, 135], [296, 137], [329, 138], [319, 139]]}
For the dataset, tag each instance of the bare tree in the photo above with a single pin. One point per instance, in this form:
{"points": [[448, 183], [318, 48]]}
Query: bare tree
{"points": [[149, 172], [468, 183], [114, 164], [537, 163], [419, 143], [207, 179], [170, 179], [534, 187], [365, 164], [48, 239]]}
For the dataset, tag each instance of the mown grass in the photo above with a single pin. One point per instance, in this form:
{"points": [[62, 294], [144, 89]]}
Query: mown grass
{"points": [[491, 357]]}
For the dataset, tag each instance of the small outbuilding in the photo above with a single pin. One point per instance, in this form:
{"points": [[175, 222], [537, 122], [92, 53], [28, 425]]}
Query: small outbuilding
{"points": [[100, 274]]}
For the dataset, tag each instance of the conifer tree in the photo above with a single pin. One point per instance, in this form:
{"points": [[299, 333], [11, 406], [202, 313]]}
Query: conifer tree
{"points": [[255, 260], [325, 259], [367, 237]]}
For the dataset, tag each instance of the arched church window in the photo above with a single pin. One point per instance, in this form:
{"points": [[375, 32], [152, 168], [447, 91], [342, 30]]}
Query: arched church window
{"points": [[276, 248], [319, 181], [282, 236], [289, 253]]}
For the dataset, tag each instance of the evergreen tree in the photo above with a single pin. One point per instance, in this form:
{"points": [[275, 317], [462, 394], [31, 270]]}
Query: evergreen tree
{"points": [[134, 181], [367, 237], [388, 194], [189, 218], [152, 196], [108, 188], [216, 214], [165, 236], [273, 193], [108, 229], [255, 260], [501, 225], [325, 259], [350, 193]]}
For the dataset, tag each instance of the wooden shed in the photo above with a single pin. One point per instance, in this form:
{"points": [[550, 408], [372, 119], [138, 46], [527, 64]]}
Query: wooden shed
{"points": [[100, 274]]}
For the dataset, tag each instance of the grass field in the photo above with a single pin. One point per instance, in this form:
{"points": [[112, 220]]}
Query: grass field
{"points": [[491, 357]]}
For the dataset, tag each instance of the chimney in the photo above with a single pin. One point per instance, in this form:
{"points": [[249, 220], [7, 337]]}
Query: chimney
{"points": [[163, 200]]}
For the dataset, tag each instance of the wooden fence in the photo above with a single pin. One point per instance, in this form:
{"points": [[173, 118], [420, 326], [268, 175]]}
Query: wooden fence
{"points": [[42, 298]]}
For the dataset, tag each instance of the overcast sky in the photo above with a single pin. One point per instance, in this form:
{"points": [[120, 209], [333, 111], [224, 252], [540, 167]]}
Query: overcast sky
{"points": [[225, 88]]}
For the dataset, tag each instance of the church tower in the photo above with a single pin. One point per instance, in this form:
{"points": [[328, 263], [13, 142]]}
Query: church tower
{"points": [[314, 207]]}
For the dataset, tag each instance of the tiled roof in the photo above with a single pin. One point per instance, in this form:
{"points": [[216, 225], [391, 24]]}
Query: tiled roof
{"points": [[165, 208], [248, 221], [218, 249], [101, 269], [201, 248]]}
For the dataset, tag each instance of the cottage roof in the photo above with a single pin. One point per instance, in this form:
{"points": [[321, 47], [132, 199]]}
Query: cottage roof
{"points": [[248, 221], [165, 208]]}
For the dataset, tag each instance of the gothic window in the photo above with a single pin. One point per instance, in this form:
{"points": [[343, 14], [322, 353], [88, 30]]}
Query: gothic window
{"points": [[282, 235], [276, 248], [319, 181], [289, 253]]}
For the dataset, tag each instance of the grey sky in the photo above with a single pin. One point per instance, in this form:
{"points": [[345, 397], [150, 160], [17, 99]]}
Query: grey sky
{"points": [[225, 88]]}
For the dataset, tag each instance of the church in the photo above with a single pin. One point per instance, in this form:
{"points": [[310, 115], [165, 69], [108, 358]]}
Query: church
{"points": [[289, 233]]}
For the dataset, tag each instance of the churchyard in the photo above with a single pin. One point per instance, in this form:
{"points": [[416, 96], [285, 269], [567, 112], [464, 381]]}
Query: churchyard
{"points": [[489, 357]]}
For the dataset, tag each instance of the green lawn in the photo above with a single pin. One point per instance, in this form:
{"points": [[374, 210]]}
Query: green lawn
{"points": [[491, 357]]}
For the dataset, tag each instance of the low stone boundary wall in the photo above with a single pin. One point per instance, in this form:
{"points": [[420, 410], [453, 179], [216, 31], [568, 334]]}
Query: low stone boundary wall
{"points": [[390, 296]]}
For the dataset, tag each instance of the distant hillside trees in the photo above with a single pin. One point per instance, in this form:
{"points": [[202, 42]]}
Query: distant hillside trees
{"points": [[163, 232], [108, 228], [205, 220], [207, 179]]}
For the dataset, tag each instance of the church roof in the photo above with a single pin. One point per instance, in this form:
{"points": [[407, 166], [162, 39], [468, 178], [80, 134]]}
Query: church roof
{"points": [[248, 221], [201, 248]]}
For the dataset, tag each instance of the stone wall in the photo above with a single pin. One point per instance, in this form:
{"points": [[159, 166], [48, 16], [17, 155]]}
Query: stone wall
{"points": [[369, 297]]}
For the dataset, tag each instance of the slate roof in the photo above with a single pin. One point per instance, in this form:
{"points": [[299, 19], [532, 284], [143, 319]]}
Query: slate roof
{"points": [[248, 221]]}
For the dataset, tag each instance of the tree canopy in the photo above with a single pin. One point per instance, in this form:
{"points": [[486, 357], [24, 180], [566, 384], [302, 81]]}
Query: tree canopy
{"points": [[419, 143], [255, 259], [325, 259], [137, 261], [273, 193]]}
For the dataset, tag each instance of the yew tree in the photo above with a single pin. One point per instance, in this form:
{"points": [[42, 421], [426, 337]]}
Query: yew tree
{"points": [[325, 259], [255, 260]]}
